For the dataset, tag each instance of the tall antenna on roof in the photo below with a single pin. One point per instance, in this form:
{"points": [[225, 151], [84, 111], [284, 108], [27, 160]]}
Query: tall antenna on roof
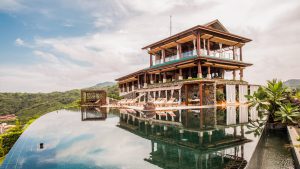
{"points": [[170, 25]]}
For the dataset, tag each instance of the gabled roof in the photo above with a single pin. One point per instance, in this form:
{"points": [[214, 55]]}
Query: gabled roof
{"points": [[214, 27], [216, 24]]}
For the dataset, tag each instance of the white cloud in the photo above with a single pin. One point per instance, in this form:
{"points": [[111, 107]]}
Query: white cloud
{"points": [[10, 5], [19, 42], [46, 56], [107, 54]]}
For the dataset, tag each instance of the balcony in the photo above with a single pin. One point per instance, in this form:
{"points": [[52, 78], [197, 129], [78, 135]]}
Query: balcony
{"points": [[225, 55], [174, 58]]}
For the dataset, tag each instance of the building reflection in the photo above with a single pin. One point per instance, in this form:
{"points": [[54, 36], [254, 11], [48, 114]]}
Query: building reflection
{"points": [[201, 139], [93, 113]]}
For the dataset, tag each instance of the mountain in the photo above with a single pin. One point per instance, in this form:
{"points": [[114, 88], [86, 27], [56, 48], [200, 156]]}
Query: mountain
{"points": [[105, 84], [293, 83]]}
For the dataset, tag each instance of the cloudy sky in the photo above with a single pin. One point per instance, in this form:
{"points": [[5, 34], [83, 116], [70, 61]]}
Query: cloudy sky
{"points": [[59, 45]]}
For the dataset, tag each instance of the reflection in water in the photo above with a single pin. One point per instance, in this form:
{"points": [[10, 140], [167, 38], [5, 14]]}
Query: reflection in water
{"points": [[214, 138], [203, 138], [93, 113]]}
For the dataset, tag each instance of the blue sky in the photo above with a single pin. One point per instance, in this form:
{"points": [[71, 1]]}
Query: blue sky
{"points": [[60, 45]]}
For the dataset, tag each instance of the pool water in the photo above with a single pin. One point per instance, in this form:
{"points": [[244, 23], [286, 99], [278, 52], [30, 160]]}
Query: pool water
{"points": [[211, 138]]}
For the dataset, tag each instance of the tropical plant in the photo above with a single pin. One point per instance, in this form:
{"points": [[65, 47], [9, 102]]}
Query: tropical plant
{"points": [[270, 98], [255, 127], [287, 113]]}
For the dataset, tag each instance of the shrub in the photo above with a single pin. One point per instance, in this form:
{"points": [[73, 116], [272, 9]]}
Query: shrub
{"points": [[8, 140]]}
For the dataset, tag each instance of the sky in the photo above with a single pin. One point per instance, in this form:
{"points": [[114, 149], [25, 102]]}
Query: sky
{"points": [[60, 45]]}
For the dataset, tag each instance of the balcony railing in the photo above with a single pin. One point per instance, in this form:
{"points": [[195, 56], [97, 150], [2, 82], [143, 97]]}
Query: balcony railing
{"points": [[189, 53], [170, 58], [228, 55]]}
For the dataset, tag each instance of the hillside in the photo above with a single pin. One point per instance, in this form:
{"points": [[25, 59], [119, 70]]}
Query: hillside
{"points": [[293, 83], [32, 105]]}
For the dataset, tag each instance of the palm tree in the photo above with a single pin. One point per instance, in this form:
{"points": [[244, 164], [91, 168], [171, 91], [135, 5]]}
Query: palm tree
{"points": [[287, 113]]}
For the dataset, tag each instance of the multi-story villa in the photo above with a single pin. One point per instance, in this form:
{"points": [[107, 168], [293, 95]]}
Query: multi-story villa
{"points": [[202, 65]]}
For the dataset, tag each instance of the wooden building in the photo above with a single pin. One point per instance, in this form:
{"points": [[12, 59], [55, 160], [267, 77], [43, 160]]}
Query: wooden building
{"points": [[191, 68]]}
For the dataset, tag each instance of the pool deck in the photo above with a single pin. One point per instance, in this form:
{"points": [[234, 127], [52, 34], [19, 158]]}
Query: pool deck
{"points": [[293, 135]]}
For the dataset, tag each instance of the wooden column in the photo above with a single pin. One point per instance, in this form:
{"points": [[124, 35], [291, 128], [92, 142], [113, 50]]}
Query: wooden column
{"points": [[208, 47], [179, 51], [138, 80], [190, 73], [199, 70], [164, 77], [198, 39], [163, 55], [151, 60], [186, 94], [241, 74], [233, 50], [180, 74], [208, 73], [241, 54], [233, 74], [151, 78], [145, 80], [154, 78]]}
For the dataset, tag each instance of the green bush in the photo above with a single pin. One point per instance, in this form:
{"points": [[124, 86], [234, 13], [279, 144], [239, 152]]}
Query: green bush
{"points": [[7, 141]]}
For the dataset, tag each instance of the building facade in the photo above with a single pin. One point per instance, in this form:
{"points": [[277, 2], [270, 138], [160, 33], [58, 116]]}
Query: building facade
{"points": [[202, 65]]}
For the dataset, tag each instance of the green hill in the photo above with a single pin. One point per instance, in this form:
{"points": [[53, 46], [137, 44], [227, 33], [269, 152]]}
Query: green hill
{"points": [[31, 105]]}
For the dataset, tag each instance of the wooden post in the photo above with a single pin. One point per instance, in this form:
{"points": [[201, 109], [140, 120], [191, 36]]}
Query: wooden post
{"points": [[179, 51], [163, 55], [154, 78], [233, 74], [208, 47], [233, 50], [186, 94], [198, 44], [241, 54], [180, 74], [199, 70], [151, 79], [241, 74], [138, 80], [151, 60], [164, 77], [190, 73], [145, 80], [208, 73]]}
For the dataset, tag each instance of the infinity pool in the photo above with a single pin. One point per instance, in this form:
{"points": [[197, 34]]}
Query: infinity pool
{"points": [[127, 139]]}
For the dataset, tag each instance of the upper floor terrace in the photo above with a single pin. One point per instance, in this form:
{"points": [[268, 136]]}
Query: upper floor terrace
{"points": [[211, 40]]}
